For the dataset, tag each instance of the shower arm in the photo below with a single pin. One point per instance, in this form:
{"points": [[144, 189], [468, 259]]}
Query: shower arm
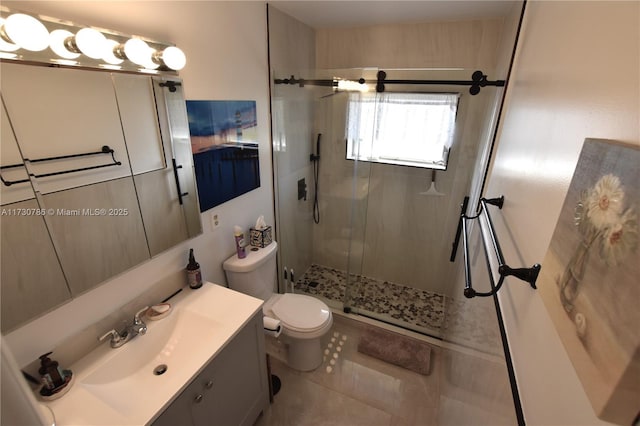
{"points": [[529, 275]]}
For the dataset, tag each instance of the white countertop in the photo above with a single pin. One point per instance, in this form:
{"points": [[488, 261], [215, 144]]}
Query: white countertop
{"points": [[205, 320]]}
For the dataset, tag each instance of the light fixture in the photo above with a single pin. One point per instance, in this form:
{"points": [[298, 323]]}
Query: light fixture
{"points": [[57, 43], [172, 57], [4, 45], [76, 45], [25, 31]]}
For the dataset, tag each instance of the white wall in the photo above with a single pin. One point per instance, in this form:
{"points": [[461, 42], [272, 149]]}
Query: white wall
{"points": [[576, 75], [226, 48]]}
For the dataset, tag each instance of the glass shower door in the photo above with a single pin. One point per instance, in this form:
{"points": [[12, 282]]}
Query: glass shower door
{"points": [[402, 226]]}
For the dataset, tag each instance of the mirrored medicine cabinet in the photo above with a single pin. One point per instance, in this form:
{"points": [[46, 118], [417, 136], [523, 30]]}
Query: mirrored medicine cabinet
{"points": [[97, 177]]}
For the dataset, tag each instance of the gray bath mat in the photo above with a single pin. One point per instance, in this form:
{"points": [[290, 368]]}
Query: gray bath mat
{"points": [[396, 349]]}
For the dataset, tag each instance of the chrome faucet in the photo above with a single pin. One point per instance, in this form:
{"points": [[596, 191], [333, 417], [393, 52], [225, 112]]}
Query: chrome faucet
{"points": [[136, 327]]}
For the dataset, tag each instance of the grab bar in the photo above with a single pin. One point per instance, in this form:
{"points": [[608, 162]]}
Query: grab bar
{"points": [[529, 275]]}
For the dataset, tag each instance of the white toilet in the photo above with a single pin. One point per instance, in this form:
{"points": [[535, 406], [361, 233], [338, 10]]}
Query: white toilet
{"points": [[304, 319]]}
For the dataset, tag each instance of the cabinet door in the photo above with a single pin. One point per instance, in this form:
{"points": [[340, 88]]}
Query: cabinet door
{"points": [[15, 180], [178, 413], [139, 119], [174, 125], [234, 390], [32, 279], [231, 390], [163, 217], [151, 164], [57, 112], [97, 230]]}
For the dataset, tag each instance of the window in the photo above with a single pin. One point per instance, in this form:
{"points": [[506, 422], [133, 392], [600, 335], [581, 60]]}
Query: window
{"points": [[409, 129]]}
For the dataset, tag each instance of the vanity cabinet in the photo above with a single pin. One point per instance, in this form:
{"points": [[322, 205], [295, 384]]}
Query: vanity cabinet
{"points": [[57, 112], [231, 390]]}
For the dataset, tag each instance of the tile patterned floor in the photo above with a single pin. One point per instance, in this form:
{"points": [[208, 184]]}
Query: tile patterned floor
{"points": [[406, 304], [351, 388]]}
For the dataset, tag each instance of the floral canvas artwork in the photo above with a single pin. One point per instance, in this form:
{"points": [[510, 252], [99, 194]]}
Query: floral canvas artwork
{"points": [[590, 279]]}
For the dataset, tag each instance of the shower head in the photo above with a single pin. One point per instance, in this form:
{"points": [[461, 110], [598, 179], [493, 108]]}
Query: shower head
{"points": [[318, 146], [316, 157]]}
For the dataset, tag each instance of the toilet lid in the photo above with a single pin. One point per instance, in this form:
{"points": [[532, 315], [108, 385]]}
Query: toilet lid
{"points": [[301, 313]]}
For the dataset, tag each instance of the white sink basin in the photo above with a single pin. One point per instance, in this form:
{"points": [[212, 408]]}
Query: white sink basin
{"points": [[167, 341], [122, 378], [119, 386]]}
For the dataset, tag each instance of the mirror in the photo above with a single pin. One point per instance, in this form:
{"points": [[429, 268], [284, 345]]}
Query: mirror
{"points": [[99, 166]]}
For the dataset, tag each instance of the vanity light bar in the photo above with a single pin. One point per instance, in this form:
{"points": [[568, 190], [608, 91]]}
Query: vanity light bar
{"points": [[49, 40]]}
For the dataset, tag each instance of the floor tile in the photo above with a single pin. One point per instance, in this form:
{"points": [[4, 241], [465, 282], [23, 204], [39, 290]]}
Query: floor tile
{"points": [[351, 388]]}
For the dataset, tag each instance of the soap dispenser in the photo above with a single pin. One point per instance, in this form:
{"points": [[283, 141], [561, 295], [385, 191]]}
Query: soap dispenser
{"points": [[194, 276], [51, 375]]}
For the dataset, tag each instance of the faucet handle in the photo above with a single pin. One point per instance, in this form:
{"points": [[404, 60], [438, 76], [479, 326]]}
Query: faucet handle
{"points": [[115, 336], [137, 317]]}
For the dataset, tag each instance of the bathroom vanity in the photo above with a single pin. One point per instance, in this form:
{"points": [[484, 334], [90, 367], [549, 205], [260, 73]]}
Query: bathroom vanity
{"points": [[204, 364]]}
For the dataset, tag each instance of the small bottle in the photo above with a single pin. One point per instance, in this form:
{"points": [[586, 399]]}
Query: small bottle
{"points": [[239, 237], [50, 372], [194, 276]]}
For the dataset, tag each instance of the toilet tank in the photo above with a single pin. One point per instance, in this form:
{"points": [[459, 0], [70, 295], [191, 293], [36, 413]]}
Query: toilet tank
{"points": [[254, 275]]}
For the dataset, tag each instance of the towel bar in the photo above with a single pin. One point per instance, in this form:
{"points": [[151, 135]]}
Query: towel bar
{"points": [[529, 275]]}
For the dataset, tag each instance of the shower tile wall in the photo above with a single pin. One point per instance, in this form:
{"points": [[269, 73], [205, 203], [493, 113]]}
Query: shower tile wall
{"points": [[398, 234]]}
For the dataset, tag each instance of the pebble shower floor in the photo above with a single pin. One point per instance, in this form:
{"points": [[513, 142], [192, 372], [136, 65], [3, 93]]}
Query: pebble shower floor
{"points": [[414, 307]]}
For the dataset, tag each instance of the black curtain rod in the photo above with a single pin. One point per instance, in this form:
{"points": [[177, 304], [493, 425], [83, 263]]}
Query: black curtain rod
{"points": [[478, 80]]}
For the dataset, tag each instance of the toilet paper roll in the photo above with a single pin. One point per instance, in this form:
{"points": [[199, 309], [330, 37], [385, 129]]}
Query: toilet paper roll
{"points": [[272, 326]]}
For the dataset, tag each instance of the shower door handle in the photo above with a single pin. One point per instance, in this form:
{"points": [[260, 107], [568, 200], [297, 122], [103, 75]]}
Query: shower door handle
{"points": [[456, 241]]}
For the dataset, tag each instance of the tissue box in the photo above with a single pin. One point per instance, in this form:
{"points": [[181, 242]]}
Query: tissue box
{"points": [[261, 237]]}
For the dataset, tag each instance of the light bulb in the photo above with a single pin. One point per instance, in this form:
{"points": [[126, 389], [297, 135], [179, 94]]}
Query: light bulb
{"points": [[138, 51], [174, 58], [109, 55], [349, 85], [5, 45], [91, 42], [26, 31], [57, 43], [152, 64]]}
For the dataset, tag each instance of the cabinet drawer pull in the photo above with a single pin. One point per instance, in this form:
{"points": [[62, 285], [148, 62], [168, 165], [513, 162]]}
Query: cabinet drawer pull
{"points": [[198, 399], [209, 384]]}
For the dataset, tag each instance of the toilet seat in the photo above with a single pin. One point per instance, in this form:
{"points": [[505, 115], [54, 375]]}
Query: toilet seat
{"points": [[300, 313]]}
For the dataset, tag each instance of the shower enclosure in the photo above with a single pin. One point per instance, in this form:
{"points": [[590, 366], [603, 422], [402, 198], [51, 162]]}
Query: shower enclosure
{"points": [[365, 213]]}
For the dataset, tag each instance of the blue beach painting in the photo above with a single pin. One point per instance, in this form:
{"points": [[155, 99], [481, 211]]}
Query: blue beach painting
{"points": [[225, 149]]}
